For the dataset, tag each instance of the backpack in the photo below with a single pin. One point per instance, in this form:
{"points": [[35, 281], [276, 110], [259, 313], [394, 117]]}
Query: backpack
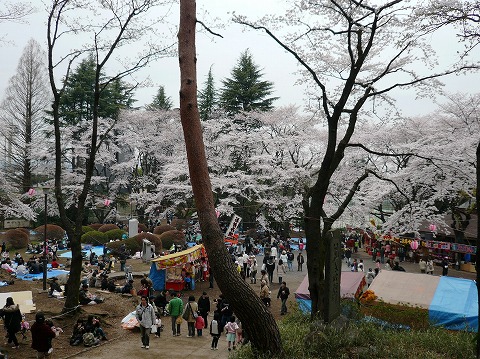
{"points": [[88, 339], [290, 256]]}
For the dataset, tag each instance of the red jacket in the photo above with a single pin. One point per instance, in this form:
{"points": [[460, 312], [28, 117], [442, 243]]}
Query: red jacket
{"points": [[40, 334]]}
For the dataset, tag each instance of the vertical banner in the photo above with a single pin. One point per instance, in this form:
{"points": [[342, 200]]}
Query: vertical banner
{"points": [[234, 223]]}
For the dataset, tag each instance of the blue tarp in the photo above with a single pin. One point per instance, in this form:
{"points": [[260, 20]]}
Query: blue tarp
{"points": [[157, 277], [98, 250], [455, 304], [39, 276]]}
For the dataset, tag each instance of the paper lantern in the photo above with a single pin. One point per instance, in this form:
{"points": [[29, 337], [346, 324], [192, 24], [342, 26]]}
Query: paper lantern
{"points": [[432, 227], [414, 245]]}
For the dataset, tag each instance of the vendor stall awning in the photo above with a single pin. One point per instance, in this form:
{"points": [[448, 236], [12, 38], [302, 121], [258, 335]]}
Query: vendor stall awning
{"points": [[180, 258]]}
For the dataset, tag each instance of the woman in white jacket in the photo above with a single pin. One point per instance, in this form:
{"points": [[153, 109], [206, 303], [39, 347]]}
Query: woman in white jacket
{"points": [[145, 315]]}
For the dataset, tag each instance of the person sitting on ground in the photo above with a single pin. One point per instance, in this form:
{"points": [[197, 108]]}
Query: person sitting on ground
{"points": [[397, 267], [127, 288], [85, 297], [92, 325], [55, 264], [143, 291], [78, 331], [54, 286]]}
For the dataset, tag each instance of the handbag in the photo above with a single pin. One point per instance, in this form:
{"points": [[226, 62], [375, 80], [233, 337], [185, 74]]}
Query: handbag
{"points": [[185, 313], [194, 314]]}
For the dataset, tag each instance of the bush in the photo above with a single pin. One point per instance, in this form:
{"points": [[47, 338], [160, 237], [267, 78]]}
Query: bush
{"points": [[131, 245], [24, 230], [95, 226], [172, 237], [95, 238], [86, 229], [107, 227], [158, 230], [153, 238], [53, 231], [115, 234], [15, 239]]}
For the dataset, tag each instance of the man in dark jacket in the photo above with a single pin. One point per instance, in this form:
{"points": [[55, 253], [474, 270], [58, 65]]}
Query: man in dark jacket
{"points": [[42, 335], [204, 307], [283, 293]]}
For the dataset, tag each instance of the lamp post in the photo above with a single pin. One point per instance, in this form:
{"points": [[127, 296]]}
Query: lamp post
{"points": [[45, 192]]}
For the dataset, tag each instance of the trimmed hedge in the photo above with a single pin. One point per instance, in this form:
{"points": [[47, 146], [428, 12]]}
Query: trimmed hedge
{"points": [[95, 226], [86, 229], [158, 230], [131, 245], [24, 230], [95, 238], [156, 241], [172, 237], [15, 239], [115, 234], [53, 231], [107, 227]]}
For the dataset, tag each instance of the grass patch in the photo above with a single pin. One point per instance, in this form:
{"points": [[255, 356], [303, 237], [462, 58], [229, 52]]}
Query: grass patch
{"points": [[301, 339]]}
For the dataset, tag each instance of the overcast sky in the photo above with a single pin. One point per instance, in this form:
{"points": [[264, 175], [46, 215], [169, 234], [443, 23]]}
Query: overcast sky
{"points": [[221, 53]]}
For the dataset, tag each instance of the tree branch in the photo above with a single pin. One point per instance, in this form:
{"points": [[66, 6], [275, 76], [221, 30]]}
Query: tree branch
{"points": [[208, 29]]}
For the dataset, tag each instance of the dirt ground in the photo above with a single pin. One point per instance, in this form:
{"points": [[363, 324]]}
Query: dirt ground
{"points": [[111, 312]]}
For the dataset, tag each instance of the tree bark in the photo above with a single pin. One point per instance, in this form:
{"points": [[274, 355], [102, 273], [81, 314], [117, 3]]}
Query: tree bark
{"points": [[477, 262], [257, 320]]}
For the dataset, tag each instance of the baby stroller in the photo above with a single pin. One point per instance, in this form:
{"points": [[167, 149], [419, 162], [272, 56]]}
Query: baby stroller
{"points": [[128, 273]]}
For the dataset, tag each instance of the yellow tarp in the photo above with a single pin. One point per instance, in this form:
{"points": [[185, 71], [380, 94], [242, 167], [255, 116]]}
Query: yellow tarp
{"points": [[180, 258]]}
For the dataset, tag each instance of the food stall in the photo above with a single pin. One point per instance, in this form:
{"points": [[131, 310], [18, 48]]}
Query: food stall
{"points": [[168, 272]]}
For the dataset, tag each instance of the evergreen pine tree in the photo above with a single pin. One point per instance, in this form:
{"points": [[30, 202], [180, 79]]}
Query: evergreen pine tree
{"points": [[245, 91], [161, 101], [207, 99]]}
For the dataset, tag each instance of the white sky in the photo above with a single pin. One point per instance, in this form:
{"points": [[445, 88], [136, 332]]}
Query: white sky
{"points": [[278, 66]]}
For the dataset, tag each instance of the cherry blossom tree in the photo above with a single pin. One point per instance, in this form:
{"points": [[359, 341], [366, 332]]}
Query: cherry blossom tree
{"points": [[353, 55], [107, 27]]}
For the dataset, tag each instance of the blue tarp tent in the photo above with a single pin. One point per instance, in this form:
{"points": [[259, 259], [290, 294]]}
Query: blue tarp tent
{"points": [[451, 302]]}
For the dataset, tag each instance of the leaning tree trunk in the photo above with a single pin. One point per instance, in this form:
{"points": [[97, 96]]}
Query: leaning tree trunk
{"points": [[477, 264], [257, 320]]}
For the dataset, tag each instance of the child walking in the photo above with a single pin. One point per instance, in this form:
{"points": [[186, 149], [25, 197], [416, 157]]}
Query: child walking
{"points": [[231, 328], [199, 324], [215, 331], [158, 324]]}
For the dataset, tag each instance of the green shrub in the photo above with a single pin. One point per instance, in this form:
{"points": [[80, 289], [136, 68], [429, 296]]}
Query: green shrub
{"points": [[131, 245], [153, 238], [158, 230], [107, 227], [86, 229], [172, 237], [53, 231], [95, 238], [115, 234], [24, 230], [15, 239], [414, 317]]}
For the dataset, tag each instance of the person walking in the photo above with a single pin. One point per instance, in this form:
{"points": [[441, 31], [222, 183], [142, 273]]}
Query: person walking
{"points": [[175, 309], [445, 267], [430, 266], [42, 335], [190, 315], [300, 261], [423, 265], [283, 293], [215, 331], [265, 293], [145, 315], [204, 308], [12, 319]]}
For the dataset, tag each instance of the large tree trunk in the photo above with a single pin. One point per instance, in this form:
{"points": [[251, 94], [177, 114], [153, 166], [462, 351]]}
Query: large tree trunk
{"points": [[257, 320], [477, 262], [316, 247]]}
